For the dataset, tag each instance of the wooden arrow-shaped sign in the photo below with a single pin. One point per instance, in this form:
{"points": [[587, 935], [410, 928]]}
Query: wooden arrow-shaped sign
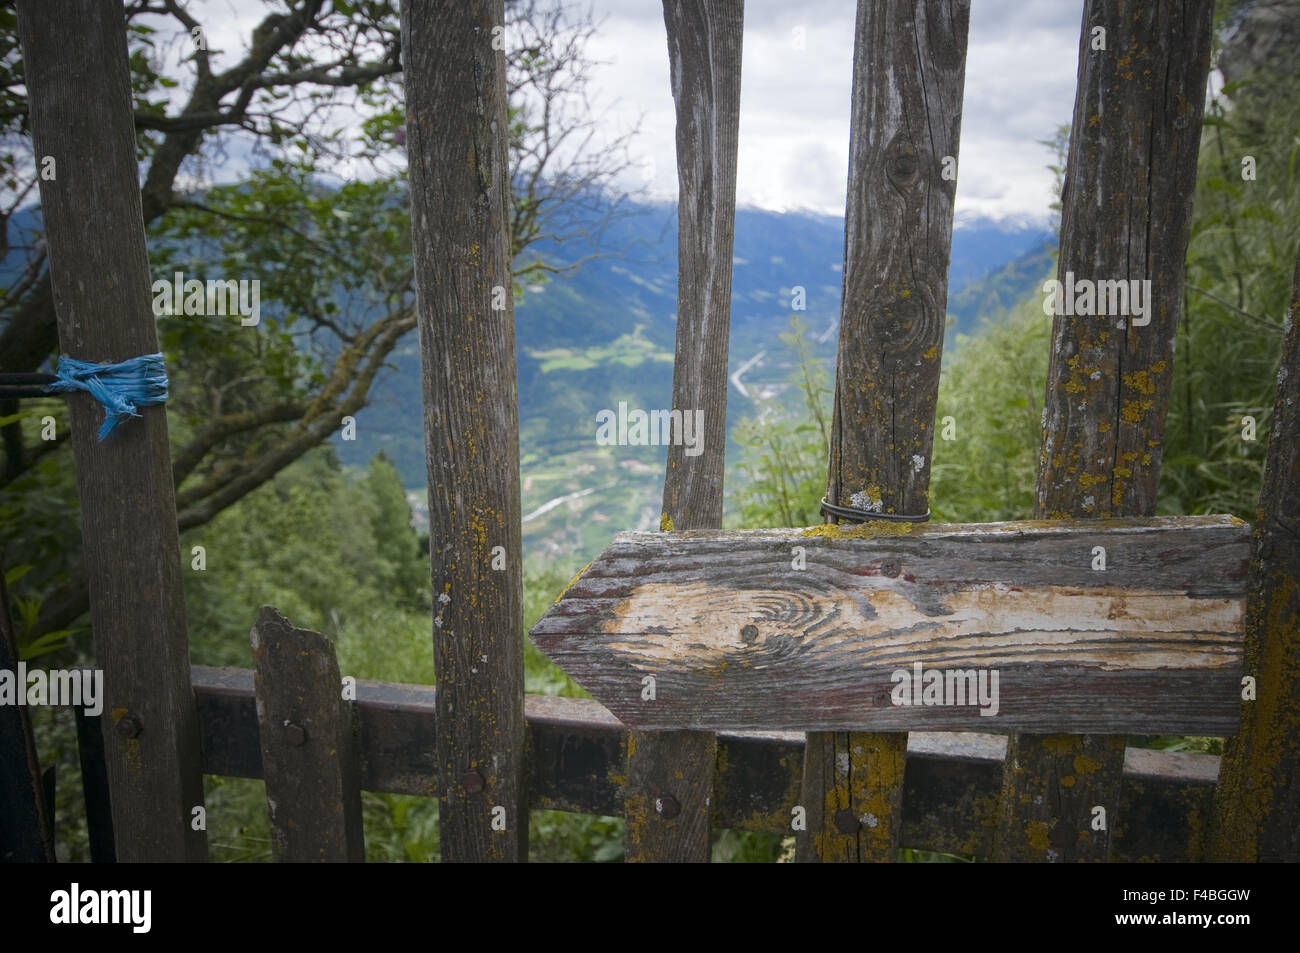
{"points": [[1048, 626]]}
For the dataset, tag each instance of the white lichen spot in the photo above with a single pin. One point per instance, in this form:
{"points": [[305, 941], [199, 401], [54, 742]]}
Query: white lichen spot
{"points": [[1089, 502], [860, 501], [1121, 324], [918, 462], [444, 598], [870, 820], [842, 763], [1095, 376]]}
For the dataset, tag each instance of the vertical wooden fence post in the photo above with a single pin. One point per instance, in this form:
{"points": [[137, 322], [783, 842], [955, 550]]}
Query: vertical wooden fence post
{"points": [[95, 788], [1257, 801], [1126, 215], [83, 132], [909, 67], [670, 774], [454, 63], [309, 745], [26, 828]]}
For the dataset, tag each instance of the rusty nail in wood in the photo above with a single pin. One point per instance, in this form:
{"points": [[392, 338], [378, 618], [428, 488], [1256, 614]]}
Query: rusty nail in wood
{"points": [[472, 782], [846, 822], [295, 735], [749, 633], [882, 698], [667, 807], [129, 726]]}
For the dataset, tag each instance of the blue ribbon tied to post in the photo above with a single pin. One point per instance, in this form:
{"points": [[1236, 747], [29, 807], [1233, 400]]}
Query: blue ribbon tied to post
{"points": [[122, 388]]}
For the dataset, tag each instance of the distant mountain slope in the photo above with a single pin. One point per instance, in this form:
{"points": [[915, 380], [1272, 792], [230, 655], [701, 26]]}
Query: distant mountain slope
{"points": [[605, 334], [997, 293]]}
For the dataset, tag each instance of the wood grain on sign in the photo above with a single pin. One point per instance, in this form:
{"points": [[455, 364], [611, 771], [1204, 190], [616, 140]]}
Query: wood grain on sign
{"points": [[1125, 217], [737, 638], [76, 70]]}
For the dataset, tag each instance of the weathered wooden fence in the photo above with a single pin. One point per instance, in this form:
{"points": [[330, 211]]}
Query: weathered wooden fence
{"points": [[771, 655]]}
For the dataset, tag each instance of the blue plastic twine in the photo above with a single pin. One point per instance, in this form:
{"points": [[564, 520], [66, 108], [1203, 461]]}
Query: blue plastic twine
{"points": [[121, 388]]}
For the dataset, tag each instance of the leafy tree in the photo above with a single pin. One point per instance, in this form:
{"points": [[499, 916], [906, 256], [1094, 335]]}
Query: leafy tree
{"points": [[329, 247], [399, 565]]}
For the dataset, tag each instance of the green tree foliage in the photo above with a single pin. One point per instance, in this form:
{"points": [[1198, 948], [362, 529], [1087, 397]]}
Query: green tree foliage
{"points": [[993, 391], [784, 452], [328, 245], [1239, 266], [1240, 260]]}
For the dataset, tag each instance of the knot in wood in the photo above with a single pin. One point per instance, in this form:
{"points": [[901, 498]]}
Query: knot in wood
{"points": [[129, 726], [902, 165], [846, 822], [667, 807], [900, 324], [472, 782], [749, 634], [294, 735], [891, 569]]}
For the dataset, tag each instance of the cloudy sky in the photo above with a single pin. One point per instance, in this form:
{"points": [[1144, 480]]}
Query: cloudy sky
{"points": [[795, 103], [794, 107]]}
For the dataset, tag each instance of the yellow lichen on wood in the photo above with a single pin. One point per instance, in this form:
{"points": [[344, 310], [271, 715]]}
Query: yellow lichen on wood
{"points": [[574, 581], [868, 530]]}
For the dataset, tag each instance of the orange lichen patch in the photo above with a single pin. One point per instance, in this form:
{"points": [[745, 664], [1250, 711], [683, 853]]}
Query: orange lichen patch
{"points": [[868, 530], [1061, 744], [1133, 410], [1141, 381], [1036, 832], [1085, 765]]}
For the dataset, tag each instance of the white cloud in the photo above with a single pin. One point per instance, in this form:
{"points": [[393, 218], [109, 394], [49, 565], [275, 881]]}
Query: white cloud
{"points": [[795, 104]]}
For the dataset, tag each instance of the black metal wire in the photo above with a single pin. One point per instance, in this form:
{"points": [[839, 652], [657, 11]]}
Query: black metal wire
{"points": [[25, 385], [852, 514]]}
